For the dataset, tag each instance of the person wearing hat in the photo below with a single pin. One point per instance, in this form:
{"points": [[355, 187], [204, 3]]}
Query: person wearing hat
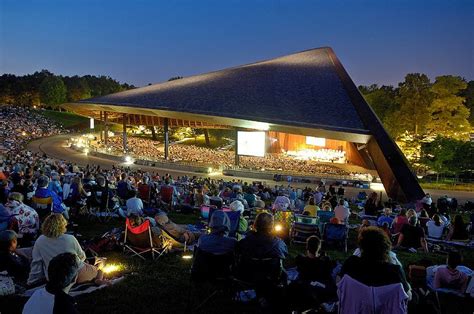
{"points": [[237, 206], [15, 262], [217, 242]]}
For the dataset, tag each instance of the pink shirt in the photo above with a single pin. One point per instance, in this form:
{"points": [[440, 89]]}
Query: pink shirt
{"points": [[398, 223]]}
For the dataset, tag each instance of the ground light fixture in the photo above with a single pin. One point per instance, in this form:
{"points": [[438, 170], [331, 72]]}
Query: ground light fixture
{"points": [[111, 268], [278, 228], [187, 254]]}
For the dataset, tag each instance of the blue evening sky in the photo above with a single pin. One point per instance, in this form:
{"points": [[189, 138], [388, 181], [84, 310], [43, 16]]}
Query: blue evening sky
{"points": [[142, 42]]}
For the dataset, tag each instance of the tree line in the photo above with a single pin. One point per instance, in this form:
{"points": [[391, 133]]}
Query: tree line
{"points": [[46, 88], [430, 121]]}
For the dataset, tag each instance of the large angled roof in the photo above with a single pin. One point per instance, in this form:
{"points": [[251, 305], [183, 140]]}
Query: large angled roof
{"points": [[299, 90]]}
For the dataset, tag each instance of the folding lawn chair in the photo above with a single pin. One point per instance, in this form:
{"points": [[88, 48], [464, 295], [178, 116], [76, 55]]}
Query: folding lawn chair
{"points": [[336, 233], [166, 195], [324, 218], [43, 206], [139, 241], [212, 268], [303, 227], [234, 217]]}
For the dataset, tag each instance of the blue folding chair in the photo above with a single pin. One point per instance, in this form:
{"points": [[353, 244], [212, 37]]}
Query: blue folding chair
{"points": [[336, 234], [324, 218], [234, 217]]}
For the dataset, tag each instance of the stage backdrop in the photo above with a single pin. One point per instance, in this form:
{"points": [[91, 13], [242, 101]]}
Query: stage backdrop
{"points": [[279, 142]]}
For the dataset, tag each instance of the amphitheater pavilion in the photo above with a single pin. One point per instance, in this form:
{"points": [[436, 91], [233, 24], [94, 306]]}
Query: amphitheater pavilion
{"points": [[306, 94]]}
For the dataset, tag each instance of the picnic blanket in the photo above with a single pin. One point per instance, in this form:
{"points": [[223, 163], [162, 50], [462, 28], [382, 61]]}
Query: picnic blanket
{"points": [[77, 290]]}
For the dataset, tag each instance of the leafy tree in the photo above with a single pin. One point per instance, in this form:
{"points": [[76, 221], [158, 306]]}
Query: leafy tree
{"points": [[414, 97], [463, 159], [52, 91], [381, 99], [468, 94], [438, 154], [77, 88], [448, 115]]}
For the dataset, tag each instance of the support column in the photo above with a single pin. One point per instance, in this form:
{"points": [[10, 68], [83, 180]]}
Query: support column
{"points": [[166, 125], [124, 137], [236, 160], [106, 129], [101, 128]]}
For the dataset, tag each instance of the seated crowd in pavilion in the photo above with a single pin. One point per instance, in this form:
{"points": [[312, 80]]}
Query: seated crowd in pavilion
{"points": [[37, 248]]}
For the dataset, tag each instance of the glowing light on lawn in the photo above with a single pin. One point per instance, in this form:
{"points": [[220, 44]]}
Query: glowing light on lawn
{"points": [[111, 268], [278, 227], [23, 133], [91, 121]]}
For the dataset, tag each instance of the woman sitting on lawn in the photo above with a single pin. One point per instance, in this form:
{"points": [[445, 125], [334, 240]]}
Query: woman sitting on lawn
{"points": [[55, 241], [435, 227], [458, 230], [373, 267], [400, 221]]}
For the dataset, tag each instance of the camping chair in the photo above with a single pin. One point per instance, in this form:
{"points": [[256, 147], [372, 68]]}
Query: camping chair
{"points": [[234, 217], [264, 275], [303, 227], [102, 212], [324, 218], [170, 240], [336, 233], [144, 193], [166, 196], [139, 241], [370, 300], [42, 205], [212, 268]]}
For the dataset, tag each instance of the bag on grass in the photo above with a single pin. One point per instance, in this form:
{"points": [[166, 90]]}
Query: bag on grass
{"points": [[7, 287]]}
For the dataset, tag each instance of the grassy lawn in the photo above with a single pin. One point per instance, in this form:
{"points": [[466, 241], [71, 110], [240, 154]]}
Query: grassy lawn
{"points": [[163, 285], [469, 187], [67, 119], [201, 142]]}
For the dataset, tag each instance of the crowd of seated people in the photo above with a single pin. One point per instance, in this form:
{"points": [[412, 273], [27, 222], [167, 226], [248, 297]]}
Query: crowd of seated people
{"points": [[68, 187], [20, 125], [143, 148]]}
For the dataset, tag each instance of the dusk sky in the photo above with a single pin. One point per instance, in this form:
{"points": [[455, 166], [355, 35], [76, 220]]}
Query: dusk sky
{"points": [[141, 42]]}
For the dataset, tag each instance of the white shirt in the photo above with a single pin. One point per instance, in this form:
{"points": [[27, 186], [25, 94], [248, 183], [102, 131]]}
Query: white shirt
{"points": [[342, 213], [45, 249], [435, 231], [134, 206], [427, 200]]}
